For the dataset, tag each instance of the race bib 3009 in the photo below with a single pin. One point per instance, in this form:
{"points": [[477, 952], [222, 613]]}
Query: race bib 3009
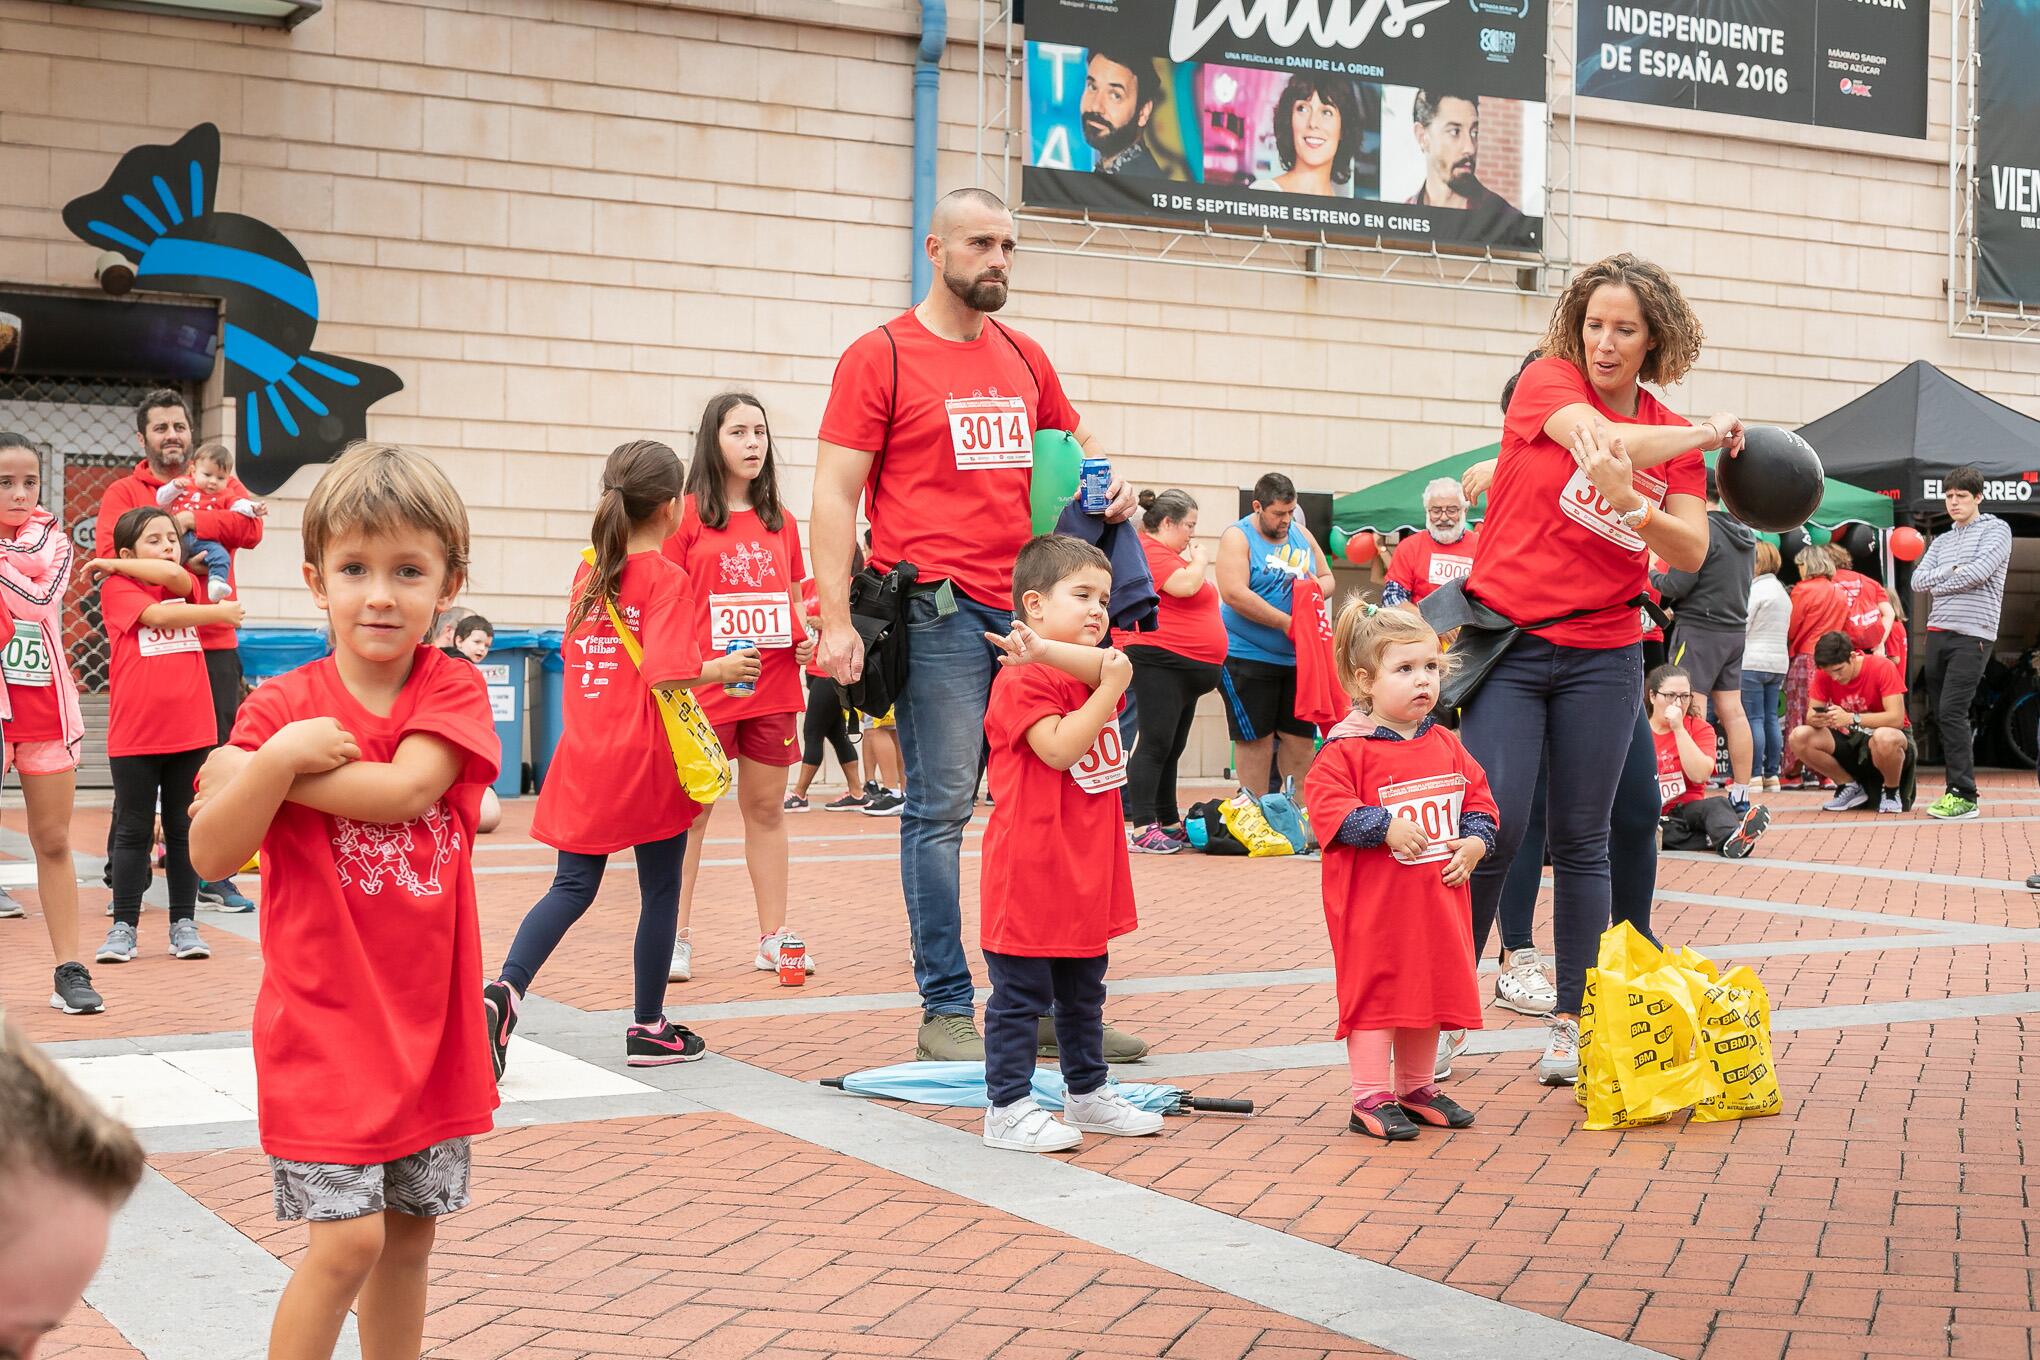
{"points": [[989, 432], [1582, 504]]}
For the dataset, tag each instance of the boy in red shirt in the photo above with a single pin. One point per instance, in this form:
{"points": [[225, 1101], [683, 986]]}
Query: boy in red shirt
{"points": [[360, 777], [1856, 730], [1056, 767], [1689, 819]]}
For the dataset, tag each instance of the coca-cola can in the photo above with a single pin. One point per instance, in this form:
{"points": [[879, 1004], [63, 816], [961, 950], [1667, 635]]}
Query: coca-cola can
{"points": [[792, 961]]}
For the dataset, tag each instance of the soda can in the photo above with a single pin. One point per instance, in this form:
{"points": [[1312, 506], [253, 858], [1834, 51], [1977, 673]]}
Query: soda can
{"points": [[739, 689], [792, 961], [1094, 483]]}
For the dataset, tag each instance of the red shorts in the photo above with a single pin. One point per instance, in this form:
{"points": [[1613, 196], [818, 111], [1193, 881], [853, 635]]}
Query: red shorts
{"points": [[769, 739]]}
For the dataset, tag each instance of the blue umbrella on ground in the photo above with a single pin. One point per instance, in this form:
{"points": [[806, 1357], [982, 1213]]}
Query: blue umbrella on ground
{"points": [[962, 1084]]}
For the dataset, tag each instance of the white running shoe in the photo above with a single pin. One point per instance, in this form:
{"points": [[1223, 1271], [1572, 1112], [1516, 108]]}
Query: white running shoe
{"points": [[1451, 1043], [9, 908], [683, 959], [1106, 1111], [1522, 986], [1560, 1065], [768, 954], [1024, 1126]]}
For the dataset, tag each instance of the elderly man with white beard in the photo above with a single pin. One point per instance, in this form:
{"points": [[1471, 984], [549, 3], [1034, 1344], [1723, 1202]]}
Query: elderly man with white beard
{"points": [[1439, 556]]}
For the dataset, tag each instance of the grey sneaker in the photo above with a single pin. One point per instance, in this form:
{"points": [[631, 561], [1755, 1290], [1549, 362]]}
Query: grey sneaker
{"points": [[185, 942], [73, 994], [1451, 1043], [9, 908], [1560, 1065], [1847, 798], [949, 1038], [120, 946]]}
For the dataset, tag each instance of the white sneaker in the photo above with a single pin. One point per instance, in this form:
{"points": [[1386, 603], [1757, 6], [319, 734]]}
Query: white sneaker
{"points": [[9, 908], [683, 959], [1106, 1111], [1522, 986], [1024, 1126], [768, 954], [1451, 1043], [1560, 1065]]}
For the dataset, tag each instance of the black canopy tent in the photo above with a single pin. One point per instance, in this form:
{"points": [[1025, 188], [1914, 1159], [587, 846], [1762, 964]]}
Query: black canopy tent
{"points": [[1903, 435]]}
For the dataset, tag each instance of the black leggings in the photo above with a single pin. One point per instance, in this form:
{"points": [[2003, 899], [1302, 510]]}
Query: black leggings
{"points": [[137, 781], [574, 887], [1166, 688], [825, 722]]}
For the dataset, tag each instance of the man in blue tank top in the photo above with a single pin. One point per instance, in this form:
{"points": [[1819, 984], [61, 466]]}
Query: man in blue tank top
{"points": [[1259, 560]]}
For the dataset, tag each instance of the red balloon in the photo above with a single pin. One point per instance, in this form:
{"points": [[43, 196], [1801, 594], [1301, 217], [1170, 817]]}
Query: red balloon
{"points": [[1362, 548], [1906, 544]]}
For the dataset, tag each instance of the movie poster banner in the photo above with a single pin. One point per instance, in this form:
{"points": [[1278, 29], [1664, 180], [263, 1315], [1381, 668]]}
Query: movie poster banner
{"points": [[1358, 120], [1854, 64], [2008, 152]]}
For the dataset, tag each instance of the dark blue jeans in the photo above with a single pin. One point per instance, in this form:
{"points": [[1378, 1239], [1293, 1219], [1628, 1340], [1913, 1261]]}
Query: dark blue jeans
{"points": [[1632, 849], [1582, 706], [1023, 990], [1760, 690], [574, 886]]}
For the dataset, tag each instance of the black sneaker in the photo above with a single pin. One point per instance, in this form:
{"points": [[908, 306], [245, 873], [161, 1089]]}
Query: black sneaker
{"points": [[1429, 1105], [1385, 1121], [849, 802], [1744, 840], [2033, 880], [661, 1044], [73, 994], [884, 803], [499, 1005]]}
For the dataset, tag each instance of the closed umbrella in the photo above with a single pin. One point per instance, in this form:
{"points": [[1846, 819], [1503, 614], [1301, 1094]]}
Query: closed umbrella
{"points": [[962, 1084]]}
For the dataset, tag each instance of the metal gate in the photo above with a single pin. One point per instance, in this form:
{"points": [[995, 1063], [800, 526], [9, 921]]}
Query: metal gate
{"points": [[84, 428]]}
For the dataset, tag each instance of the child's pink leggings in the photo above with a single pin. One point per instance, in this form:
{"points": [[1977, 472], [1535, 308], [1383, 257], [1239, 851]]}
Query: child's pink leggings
{"points": [[1368, 1052]]}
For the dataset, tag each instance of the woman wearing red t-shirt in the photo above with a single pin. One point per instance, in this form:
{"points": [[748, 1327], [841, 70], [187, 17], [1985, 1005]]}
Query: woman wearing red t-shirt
{"points": [[1594, 473], [159, 725], [1174, 665], [612, 785], [741, 550], [1819, 607]]}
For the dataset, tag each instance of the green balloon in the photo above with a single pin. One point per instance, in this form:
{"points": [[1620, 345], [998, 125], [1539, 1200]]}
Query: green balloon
{"points": [[1339, 537], [1817, 535], [1058, 458]]}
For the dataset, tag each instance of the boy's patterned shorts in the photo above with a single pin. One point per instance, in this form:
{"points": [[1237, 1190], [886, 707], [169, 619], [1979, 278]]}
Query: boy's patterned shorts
{"points": [[425, 1185]]}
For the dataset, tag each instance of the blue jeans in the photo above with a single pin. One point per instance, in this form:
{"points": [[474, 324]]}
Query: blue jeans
{"points": [[1760, 690], [1582, 705], [215, 555], [1632, 849], [941, 715]]}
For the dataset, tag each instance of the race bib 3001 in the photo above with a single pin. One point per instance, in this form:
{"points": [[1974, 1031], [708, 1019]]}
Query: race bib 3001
{"points": [[764, 617], [1582, 504], [1433, 803], [989, 432]]}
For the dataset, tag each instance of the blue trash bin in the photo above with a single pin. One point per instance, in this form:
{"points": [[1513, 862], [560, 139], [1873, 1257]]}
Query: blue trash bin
{"points": [[270, 652], [547, 717], [506, 671]]}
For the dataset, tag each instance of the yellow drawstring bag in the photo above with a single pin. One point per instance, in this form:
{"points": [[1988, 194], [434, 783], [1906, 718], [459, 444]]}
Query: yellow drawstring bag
{"points": [[698, 757]]}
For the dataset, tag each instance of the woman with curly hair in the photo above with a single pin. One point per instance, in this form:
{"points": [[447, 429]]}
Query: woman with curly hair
{"points": [[1318, 135], [1595, 473]]}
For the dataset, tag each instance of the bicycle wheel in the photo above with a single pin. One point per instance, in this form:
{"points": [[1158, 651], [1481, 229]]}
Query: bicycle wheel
{"points": [[2022, 728]]}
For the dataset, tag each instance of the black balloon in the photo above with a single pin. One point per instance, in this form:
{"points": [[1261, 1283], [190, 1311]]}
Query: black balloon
{"points": [[1775, 483]]}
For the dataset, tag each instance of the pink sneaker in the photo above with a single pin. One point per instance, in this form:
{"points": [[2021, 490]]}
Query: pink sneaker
{"points": [[1152, 840]]}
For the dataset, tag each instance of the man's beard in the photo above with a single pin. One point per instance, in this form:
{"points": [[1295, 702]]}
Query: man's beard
{"points": [[1108, 139], [980, 295], [172, 463], [1462, 180], [1448, 536]]}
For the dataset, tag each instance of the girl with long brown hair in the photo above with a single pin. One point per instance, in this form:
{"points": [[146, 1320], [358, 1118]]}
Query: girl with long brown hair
{"points": [[613, 785]]}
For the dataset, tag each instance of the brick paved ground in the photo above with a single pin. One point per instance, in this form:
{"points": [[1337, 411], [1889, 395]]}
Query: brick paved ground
{"points": [[1886, 1212]]}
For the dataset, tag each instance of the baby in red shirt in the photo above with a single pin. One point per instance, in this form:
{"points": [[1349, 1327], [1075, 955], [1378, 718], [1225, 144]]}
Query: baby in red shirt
{"points": [[360, 778], [1057, 764], [208, 488]]}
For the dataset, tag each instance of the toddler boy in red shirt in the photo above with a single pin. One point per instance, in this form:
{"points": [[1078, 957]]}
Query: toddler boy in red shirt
{"points": [[360, 777], [1054, 885]]}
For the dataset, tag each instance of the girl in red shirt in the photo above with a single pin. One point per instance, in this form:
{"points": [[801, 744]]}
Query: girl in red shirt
{"points": [[612, 785], [159, 725], [741, 549], [1818, 607], [1410, 816]]}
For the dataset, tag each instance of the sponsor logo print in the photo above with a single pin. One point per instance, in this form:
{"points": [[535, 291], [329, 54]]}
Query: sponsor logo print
{"points": [[1498, 43]]}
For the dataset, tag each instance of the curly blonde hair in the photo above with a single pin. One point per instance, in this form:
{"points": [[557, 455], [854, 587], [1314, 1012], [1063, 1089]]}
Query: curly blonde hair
{"points": [[1675, 332]]}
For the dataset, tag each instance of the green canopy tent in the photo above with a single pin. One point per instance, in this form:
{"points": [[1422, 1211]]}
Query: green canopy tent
{"points": [[1398, 502]]}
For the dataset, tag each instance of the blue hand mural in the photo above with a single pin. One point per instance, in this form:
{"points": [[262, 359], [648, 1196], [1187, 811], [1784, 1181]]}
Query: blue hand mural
{"points": [[296, 405]]}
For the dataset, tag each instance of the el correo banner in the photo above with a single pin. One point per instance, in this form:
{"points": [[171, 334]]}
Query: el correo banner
{"points": [[1854, 64], [2008, 152], [1357, 120]]}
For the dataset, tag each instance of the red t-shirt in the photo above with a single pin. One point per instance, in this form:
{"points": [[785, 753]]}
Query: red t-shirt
{"points": [[612, 784], [1319, 699], [369, 1041], [1421, 563], [1864, 599], [1876, 680], [742, 577], [1674, 789], [1402, 942], [1188, 625], [231, 531], [1818, 607], [161, 700], [1051, 830], [955, 444], [1550, 543]]}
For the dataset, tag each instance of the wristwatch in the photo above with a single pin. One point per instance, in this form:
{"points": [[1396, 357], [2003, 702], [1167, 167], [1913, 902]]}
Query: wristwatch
{"points": [[1635, 519]]}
